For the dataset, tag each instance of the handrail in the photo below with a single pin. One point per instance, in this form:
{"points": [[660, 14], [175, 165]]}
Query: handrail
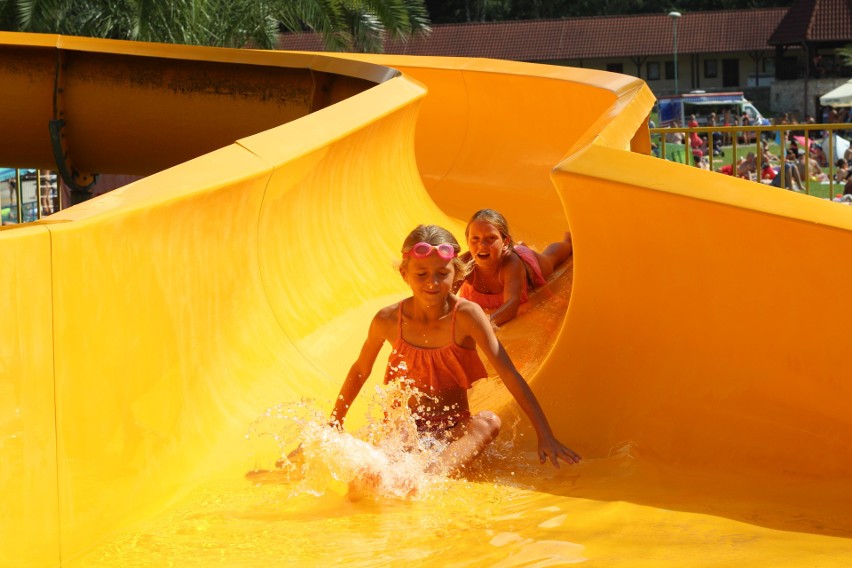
{"points": [[758, 131]]}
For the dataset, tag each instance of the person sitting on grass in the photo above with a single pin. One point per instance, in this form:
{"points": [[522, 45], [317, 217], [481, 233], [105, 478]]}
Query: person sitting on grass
{"points": [[768, 157], [792, 181], [746, 166], [842, 171]]}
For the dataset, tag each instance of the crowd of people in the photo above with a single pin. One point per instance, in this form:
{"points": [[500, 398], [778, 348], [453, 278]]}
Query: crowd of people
{"points": [[799, 165], [806, 158]]}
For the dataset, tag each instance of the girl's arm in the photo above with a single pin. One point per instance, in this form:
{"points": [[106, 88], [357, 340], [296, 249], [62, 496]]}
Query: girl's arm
{"points": [[514, 275], [475, 323], [360, 370]]}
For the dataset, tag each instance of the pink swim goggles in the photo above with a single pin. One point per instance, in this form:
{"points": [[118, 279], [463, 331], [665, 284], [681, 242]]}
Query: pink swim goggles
{"points": [[422, 250]]}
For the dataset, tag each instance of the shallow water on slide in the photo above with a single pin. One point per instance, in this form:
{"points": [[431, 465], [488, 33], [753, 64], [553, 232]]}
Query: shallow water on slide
{"points": [[626, 509]]}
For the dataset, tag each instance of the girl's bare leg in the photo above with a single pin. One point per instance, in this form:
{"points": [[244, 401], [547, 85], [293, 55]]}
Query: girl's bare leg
{"points": [[555, 255], [468, 442], [365, 484], [473, 438]]}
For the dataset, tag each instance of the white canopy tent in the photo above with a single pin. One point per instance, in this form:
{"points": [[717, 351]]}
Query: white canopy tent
{"points": [[840, 147], [839, 97]]}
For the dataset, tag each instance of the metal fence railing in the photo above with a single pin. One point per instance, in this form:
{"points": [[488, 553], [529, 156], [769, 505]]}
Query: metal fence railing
{"points": [[829, 137]]}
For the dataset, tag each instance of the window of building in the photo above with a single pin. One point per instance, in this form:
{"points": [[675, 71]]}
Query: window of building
{"points": [[711, 70], [769, 65], [654, 71], [731, 72], [670, 72], [615, 67]]}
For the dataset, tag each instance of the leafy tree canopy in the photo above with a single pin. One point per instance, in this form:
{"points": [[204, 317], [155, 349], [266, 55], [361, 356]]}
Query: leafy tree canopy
{"points": [[344, 24]]}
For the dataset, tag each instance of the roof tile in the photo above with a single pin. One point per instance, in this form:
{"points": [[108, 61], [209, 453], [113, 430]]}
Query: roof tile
{"points": [[815, 20], [582, 38]]}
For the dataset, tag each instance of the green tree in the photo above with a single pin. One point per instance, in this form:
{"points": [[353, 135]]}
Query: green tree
{"points": [[359, 25], [845, 54]]}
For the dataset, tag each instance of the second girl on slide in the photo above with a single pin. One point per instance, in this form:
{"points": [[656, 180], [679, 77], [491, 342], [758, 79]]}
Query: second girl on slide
{"points": [[503, 271]]}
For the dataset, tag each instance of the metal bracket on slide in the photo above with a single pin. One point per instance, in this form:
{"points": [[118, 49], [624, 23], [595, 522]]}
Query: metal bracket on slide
{"points": [[79, 182]]}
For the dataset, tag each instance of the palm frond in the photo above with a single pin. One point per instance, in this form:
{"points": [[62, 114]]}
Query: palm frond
{"points": [[366, 29], [400, 17], [44, 16], [327, 18]]}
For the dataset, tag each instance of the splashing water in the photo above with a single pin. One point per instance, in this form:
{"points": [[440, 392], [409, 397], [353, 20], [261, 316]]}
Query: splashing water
{"points": [[387, 458]]}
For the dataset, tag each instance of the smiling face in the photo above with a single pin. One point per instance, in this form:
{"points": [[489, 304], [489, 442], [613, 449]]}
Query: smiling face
{"points": [[431, 278], [486, 243]]}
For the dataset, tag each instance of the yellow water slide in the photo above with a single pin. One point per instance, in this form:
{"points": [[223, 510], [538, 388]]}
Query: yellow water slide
{"points": [[695, 353]]}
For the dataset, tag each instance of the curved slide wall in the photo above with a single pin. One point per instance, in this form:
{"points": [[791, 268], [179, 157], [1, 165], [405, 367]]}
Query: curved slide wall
{"points": [[144, 330]]}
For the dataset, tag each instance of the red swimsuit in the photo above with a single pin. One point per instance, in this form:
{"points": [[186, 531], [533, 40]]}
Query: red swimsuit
{"points": [[494, 301], [435, 369]]}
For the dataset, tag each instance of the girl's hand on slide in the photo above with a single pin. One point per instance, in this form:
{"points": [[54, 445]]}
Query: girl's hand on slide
{"points": [[555, 450]]}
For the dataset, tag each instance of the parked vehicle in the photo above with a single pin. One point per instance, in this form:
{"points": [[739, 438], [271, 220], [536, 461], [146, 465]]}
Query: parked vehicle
{"points": [[680, 107]]}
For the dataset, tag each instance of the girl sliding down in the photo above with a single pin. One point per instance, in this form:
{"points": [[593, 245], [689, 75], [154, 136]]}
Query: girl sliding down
{"points": [[503, 270], [434, 335]]}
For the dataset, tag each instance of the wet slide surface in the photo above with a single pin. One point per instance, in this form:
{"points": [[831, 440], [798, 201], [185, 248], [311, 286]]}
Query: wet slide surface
{"points": [[160, 341]]}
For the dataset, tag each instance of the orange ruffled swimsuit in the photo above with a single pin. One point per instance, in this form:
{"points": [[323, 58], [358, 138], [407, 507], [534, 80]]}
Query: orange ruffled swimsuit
{"points": [[435, 369], [494, 301]]}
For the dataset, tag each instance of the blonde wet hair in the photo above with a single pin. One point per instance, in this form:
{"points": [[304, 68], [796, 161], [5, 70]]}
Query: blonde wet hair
{"points": [[435, 235]]}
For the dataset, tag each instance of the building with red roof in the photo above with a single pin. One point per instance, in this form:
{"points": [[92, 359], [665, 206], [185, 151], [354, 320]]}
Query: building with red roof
{"points": [[779, 56]]}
